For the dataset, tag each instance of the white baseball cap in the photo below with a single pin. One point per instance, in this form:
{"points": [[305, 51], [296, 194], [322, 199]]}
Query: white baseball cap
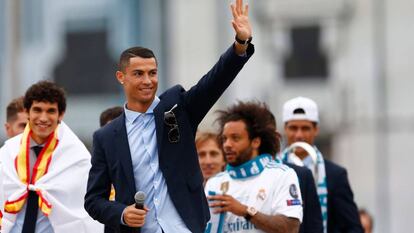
{"points": [[300, 108]]}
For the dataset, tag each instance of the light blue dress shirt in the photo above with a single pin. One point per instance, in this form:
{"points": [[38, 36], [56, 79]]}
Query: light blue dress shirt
{"points": [[148, 177], [308, 162], [42, 223]]}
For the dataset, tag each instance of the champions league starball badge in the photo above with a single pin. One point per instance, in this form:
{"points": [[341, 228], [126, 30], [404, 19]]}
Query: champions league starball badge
{"points": [[293, 191]]}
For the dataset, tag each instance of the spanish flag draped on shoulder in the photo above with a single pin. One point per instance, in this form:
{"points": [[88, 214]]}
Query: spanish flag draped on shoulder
{"points": [[59, 178]]}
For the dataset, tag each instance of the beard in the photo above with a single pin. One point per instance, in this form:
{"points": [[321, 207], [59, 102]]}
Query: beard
{"points": [[243, 157]]}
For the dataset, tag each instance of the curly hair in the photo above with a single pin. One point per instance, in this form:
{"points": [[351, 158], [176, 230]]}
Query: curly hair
{"points": [[45, 91], [259, 121]]}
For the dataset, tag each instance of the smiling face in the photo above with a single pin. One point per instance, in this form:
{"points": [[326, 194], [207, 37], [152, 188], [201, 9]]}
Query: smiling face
{"points": [[140, 81], [44, 117], [301, 131]]}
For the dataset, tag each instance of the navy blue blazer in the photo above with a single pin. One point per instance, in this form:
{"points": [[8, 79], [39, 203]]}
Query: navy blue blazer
{"points": [[312, 216], [343, 216], [111, 158]]}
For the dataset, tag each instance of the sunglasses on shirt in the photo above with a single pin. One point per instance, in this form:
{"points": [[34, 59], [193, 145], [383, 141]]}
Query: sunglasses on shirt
{"points": [[171, 121]]}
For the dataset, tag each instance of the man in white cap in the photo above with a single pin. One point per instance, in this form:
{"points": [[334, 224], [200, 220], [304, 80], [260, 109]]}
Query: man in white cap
{"points": [[339, 211]]}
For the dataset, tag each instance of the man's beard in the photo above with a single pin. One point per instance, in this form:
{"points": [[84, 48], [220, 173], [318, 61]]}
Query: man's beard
{"points": [[243, 157]]}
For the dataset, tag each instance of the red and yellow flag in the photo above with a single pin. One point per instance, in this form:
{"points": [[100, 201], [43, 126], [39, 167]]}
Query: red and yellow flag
{"points": [[40, 168]]}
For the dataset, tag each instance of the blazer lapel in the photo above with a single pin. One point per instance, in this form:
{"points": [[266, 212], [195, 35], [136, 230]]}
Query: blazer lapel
{"points": [[159, 125], [122, 151]]}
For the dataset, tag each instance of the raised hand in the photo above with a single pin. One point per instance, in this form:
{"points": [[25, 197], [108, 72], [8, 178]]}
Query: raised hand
{"points": [[240, 22]]}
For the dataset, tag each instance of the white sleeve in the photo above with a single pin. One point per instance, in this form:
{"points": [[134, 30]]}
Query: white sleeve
{"points": [[212, 186], [208, 186], [213, 225], [287, 196]]}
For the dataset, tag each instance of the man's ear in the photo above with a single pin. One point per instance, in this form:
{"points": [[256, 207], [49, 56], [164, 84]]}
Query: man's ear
{"points": [[60, 117], [256, 142], [120, 76], [7, 127], [316, 130]]}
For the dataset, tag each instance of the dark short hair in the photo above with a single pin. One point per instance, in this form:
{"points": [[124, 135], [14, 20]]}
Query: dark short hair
{"points": [[259, 123], [13, 108], [134, 52], [110, 114], [45, 91]]}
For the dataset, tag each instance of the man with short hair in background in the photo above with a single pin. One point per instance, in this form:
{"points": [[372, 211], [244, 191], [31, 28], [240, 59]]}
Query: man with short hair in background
{"points": [[210, 154], [16, 117], [109, 114]]}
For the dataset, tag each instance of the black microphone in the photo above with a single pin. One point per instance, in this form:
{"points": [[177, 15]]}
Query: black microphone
{"points": [[139, 200]]}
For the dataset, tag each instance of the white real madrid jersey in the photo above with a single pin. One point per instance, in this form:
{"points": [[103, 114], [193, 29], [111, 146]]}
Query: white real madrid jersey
{"points": [[274, 191]]}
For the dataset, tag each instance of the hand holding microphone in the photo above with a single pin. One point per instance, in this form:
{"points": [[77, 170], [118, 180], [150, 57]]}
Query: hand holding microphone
{"points": [[139, 200], [134, 215]]}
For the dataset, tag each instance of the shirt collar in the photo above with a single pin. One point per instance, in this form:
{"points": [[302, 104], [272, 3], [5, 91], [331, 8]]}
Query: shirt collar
{"points": [[131, 116], [307, 161], [33, 143]]}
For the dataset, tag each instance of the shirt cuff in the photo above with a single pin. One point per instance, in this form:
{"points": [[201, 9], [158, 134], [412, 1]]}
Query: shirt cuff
{"points": [[122, 218]]}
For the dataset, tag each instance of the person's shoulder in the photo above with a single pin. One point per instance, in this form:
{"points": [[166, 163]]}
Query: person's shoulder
{"points": [[220, 176], [273, 165], [333, 167], [172, 96], [112, 126], [215, 181], [299, 169], [279, 170], [12, 141], [175, 90], [281, 173], [10, 146]]}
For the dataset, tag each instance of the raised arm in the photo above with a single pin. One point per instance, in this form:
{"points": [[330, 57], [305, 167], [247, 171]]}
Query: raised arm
{"points": [[241, 25], [202, 96]]}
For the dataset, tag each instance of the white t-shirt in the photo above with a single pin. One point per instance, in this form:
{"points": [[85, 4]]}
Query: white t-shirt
{"points": [[274, 191]]}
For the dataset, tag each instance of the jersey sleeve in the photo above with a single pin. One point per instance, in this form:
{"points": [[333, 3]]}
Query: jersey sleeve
{"points": [[287, 197], [210, 186]]}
